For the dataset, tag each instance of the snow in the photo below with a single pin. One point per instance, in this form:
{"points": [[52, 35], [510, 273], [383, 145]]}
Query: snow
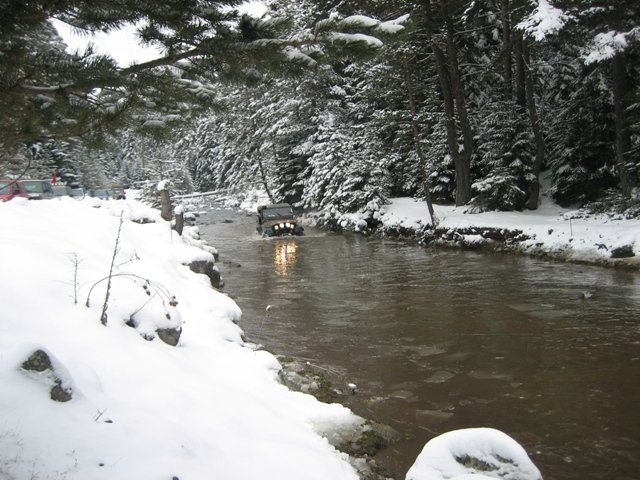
{"points": [[356, 37], [605, 46], [360, 21], [296, 55], [473, 453], [393, 26], [210, 407], [154, 123], [551, 228], [545, 20]]}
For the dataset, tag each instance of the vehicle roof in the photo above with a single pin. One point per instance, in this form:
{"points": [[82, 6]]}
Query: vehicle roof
{"points": [[278, 205]]}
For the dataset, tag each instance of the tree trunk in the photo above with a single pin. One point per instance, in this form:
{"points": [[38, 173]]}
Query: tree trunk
{"points": [[416, 138], [263, 178], [534, 189], [623, 138], [450, 114], [463, 167], [521, 98], [454, 105], [165, 205], [179, 226], [507, 48]]}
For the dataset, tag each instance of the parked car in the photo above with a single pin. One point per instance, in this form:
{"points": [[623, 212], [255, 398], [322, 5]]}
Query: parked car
{"points": [[10, 188], [61, 190], [119, 194], [77, 193], [102, 193], [277, 220], [37, 189]]}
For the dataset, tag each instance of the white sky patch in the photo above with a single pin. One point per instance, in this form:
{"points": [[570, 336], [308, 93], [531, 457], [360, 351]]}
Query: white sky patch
{"points": [[545, 20], [255, 9], [123, 45]]}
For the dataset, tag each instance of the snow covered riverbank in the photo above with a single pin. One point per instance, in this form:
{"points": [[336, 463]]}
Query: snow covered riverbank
{"points": [[131, 406], [550, 231], [89, 395]]}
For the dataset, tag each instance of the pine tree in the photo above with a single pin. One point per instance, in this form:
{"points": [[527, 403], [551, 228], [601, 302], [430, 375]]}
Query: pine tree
{"points": [[581, 147], [49, 92], [504, 159]]}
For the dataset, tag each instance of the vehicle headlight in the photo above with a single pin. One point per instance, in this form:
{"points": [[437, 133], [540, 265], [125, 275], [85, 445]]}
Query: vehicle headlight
{"points": [[288, 225], [282, 225], [276, 227]]}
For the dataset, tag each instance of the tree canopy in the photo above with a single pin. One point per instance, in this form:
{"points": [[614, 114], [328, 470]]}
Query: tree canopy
{"points": [[48, 92], [474, 103]]}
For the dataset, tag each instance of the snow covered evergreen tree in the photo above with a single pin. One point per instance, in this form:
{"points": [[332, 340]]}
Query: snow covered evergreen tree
{"points": [[504, 159], [580, 140]]}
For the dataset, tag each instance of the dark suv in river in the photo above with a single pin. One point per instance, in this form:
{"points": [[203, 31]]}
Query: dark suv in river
{"points": [[277, 220]]}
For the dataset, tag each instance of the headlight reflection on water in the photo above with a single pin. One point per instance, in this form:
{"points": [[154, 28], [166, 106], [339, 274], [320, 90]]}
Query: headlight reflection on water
{"points": [[285, 257]]}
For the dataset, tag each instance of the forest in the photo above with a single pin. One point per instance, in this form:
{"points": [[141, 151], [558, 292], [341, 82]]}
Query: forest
{"points": [[337, 105]]}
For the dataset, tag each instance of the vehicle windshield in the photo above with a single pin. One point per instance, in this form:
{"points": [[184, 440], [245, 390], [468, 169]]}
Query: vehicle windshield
{"points": [[33, 186], [269, 213], [4, 188]]}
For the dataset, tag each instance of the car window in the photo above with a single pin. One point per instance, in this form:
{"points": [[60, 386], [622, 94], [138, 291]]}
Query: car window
{"points": [[37, 186], [32, 187], [4, 188], [276, 212]]}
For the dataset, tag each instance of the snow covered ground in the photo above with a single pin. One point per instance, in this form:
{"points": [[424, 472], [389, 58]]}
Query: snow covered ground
{"points": [[558, 232], [140, 408], [130, 406]]}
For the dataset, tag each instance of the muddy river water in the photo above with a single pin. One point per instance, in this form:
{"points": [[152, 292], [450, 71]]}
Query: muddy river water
{"points": [[438, 340]]}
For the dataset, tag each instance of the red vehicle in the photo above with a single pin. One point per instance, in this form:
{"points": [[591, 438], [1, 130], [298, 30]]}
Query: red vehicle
{"points": [[11, 188]]}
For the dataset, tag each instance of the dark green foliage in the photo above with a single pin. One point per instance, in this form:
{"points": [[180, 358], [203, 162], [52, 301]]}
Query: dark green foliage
{"points": [[322, 119], [47, 92], [613, 203], [581, 136], [504, 158]]}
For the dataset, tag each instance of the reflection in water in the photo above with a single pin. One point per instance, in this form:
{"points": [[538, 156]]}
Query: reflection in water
{"points": [[285, 257]]}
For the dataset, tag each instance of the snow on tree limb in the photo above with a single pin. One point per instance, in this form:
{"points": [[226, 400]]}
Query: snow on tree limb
{"points": [[296, 55], [606, 45], [360, 21], [545, 20], [354, 38]]}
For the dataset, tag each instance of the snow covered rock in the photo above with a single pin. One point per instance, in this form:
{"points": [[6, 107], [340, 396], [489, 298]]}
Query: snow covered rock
{"points": [[209, 269], [624, 251], [56, 377], [478, 453]]}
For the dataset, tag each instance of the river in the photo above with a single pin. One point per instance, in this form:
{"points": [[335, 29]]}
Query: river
{"points": [[438, 340]]}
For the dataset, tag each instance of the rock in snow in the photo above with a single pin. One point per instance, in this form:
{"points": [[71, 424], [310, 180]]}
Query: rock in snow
{"points": [[473, 453]]}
